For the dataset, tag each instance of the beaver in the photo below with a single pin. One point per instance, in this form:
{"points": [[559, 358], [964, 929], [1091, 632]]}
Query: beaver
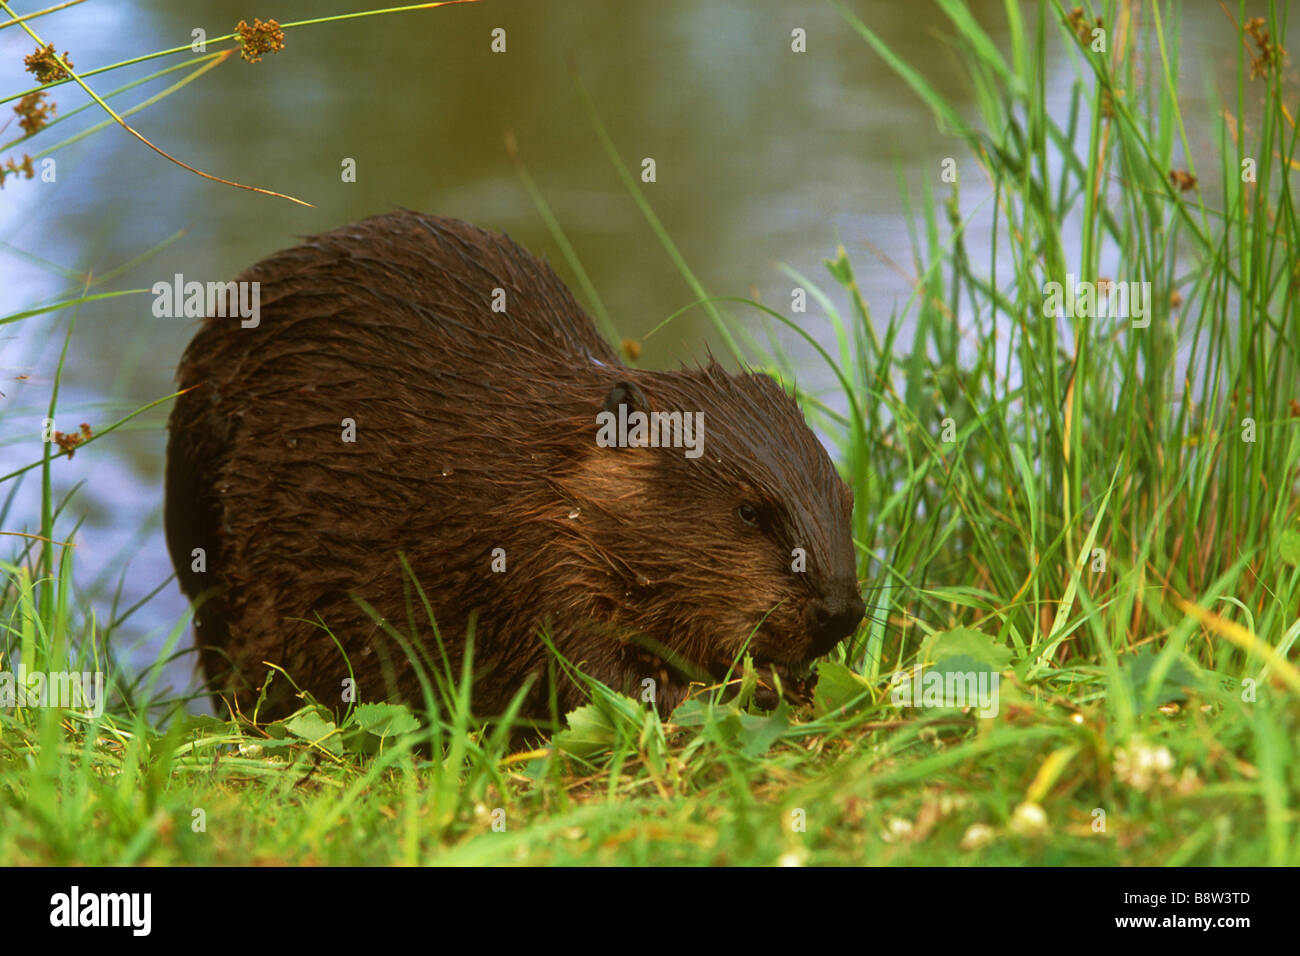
{"points": [[403, 451]]}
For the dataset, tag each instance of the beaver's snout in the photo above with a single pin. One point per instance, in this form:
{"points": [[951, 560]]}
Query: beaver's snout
{"points": [[831, 619]]}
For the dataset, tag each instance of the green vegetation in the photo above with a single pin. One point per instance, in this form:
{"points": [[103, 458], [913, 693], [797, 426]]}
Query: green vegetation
{"points": [[1101, 511]]}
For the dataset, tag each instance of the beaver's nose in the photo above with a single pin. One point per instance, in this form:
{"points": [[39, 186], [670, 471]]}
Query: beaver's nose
{"points": [[831, 619]]}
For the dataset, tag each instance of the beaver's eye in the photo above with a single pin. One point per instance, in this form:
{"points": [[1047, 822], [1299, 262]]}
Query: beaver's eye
{"points": [[748, 514]]}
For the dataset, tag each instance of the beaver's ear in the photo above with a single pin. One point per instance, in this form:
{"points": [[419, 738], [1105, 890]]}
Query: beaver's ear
{"points": [[626, 393]]}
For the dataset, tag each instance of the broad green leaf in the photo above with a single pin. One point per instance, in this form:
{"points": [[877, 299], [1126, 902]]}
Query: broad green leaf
{"points": [[838, 687], [965, 641], [311, 726], [590, 732], [385, 720], [758, 733]]}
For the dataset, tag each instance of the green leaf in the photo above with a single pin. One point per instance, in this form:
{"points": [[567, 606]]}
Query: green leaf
{"points": [[591, 731], [839, 687], [967, 642], [960, 664], [758, 733], [385, 720], [691, 712], [308, 724]]}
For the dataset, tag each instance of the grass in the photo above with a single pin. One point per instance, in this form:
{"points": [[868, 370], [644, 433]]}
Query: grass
{"points": [[1101, 512]]}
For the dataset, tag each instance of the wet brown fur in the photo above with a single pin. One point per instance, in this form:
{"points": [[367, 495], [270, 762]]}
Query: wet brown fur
{"points": [[475, 430]]}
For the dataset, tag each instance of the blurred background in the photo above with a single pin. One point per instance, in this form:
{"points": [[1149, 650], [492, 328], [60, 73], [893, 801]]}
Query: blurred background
{"points": [[764, 156]]}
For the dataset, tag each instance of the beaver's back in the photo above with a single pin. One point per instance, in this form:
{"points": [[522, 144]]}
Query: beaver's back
{"points": [[389, 323]]}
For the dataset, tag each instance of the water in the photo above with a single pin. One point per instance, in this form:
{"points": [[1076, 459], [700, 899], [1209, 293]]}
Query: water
{"points": [[763, 156]]}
